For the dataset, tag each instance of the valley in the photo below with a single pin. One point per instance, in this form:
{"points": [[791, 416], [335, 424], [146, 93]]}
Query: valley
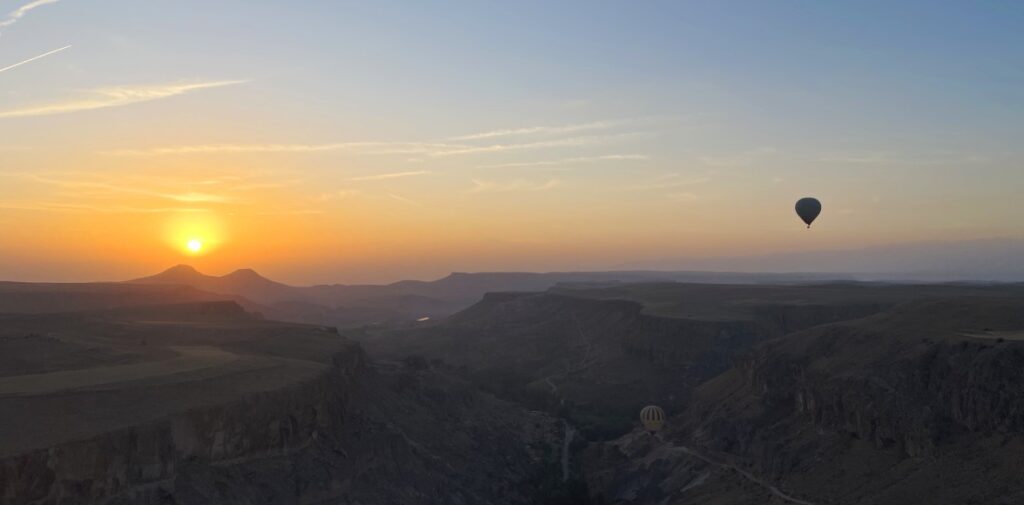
{"points": [[831, 392]]}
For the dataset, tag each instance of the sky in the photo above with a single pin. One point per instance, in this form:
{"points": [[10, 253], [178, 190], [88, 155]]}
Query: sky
{"points": [[330, 141]]}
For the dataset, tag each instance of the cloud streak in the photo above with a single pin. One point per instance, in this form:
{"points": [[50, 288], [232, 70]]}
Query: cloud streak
{"points": [[431, 149], [404, 200], [15, 15], [186, 197], [34, 58], [671, 180], [890, 159], [360, 147], [544, 144], [569, 161], [480, 186], [116, 97], [105, 209], [393, 175], [541, 130]]}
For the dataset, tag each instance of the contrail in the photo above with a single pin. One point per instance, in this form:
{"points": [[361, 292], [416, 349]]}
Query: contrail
{"points": [[34, 58]]}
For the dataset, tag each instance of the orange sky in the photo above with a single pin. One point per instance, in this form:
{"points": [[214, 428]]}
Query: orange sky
{"points": [[362, 147]]}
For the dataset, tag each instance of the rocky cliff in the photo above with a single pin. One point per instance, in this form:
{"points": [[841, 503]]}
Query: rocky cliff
{"points": [[354, 434], [920, 404], [596, 358]]}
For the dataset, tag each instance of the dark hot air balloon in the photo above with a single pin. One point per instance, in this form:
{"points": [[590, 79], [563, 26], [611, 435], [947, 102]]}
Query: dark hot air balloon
{"points": [[808, 209]]}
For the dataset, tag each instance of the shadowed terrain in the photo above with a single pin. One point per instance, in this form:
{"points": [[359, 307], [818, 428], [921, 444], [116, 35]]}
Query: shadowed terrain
{"points": [[837, 393]]}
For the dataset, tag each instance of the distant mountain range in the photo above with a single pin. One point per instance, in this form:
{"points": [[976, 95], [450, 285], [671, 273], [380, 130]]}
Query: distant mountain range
{"points": [[406, 301], [968, 260], [409, 300]]}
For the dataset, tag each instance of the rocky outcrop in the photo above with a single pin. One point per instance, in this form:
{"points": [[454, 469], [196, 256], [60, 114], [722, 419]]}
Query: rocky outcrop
{"points": [[355, 434], [141, 464], [911, 391], [596, 359]]}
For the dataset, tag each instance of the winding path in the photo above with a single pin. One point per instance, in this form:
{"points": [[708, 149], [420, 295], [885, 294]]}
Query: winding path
{"points": [[745, 474]]}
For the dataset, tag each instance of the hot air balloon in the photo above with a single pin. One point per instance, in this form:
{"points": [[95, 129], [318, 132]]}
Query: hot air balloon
{"points": [[808, 209], [653, 418]]}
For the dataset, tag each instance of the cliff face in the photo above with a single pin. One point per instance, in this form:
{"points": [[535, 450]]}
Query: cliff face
{"points": [[142, 464], [353, 433], [909, 379], [921, 404], [598, 359]]}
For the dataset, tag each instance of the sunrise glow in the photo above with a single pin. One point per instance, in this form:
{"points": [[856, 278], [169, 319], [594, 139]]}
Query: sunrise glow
{"points": [[656, 157]]}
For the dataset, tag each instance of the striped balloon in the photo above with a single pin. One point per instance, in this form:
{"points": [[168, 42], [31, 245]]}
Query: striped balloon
{"points": [[653, 418]]}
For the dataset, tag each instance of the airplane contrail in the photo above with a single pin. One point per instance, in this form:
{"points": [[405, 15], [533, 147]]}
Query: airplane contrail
{"points": [[34, 58]]}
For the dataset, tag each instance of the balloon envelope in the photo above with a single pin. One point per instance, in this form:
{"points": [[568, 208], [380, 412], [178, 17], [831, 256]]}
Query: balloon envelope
{"points": [[653, 418], [808, 209]]}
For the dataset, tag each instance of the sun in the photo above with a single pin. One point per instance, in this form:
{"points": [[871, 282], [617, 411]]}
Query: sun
{"points": [[194, 235]]}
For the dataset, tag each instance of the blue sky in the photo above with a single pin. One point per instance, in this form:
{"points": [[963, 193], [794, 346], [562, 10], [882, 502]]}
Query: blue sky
{"points": [[616, 131]]}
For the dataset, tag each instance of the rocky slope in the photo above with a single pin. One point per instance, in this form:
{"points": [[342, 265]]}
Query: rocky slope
{"points": [[920, 404], [599, 354], [341, 431]]}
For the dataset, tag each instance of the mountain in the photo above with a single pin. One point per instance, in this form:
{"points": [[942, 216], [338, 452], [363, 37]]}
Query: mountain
{"points": [[244, 282], [937, 261], [410, 300]]}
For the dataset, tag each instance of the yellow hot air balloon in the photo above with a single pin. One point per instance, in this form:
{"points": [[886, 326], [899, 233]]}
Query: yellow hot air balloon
{"points": [[653, 418]]}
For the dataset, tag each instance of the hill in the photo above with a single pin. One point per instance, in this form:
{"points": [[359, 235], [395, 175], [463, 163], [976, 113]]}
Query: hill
{"points": [[38, 298], [406, 301]]}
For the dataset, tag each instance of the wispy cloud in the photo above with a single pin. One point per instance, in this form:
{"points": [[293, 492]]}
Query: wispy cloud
{"points": [[542, 130], [685, 197], [106, 209], [20, 12], [194, 197], [34, 58], [570, 161], [742, 159], [185, 197], [360, 147], [393, 175], [337, 195], [544, 144], [291, 212], [432, 149], [895, 159], [116, 97], [265, 185], [670, 180], [480, 186], [404, 200]]}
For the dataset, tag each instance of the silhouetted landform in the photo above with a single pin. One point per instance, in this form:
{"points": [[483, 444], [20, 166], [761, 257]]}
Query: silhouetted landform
{"points": [[204, 403], [991, 260], [827, 393], [904, 406], [611, 350], [356, 305], [38, 298], [837, 393]]}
